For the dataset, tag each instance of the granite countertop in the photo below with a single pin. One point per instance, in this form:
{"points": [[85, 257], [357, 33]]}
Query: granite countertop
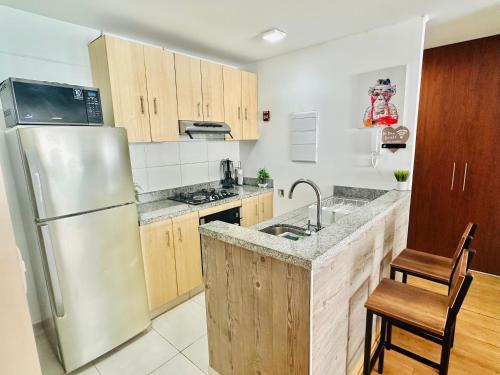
{"points": [[307, 251], [163, 209]]}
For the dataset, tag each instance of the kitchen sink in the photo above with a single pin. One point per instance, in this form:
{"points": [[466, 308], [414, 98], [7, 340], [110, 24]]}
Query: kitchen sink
{"points": [[290, 232]]}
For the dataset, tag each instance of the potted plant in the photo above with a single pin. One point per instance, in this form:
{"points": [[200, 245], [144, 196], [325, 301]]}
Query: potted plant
{"points": [[401, 176], [262, 176]]}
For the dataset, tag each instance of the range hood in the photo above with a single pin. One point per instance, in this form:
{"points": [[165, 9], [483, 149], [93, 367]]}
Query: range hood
{"points": [[204, 127]]}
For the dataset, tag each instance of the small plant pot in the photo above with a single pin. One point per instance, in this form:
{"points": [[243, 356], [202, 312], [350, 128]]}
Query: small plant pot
{"points": [[402, 185]]}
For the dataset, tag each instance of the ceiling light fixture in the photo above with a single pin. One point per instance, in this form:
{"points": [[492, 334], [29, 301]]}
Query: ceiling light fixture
{"points": [[273, 35]]}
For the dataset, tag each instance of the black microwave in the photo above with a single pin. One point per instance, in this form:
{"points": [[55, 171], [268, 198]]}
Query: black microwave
{"points": [[28, 102]]}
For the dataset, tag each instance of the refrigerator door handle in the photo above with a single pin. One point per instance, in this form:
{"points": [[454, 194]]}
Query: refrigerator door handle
{"points": [[37, 189], [53, 274]]}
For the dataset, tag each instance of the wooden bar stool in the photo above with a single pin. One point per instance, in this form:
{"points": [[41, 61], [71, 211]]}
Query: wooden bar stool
{"points": [[424, 313], [432, 267]]}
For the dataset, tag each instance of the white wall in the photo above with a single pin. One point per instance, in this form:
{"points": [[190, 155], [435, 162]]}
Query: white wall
{"points": [[42, 48], [321, 78]]}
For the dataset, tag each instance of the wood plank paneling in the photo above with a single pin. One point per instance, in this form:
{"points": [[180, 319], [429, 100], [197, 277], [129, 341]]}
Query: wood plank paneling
{"points": [[257, 312]]}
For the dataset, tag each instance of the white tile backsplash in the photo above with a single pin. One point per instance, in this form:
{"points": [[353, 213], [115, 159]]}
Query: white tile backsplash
{"points": [[193, 151], [195, 173], [166, 177], [137, 155], [160, 154], [218, 150], [158, 166]]}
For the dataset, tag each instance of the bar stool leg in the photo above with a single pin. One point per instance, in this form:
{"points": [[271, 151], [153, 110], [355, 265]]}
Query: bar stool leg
{"points": [[453, 334], [368, 342], [383, 329], [393, 274], [445, 353], [405, 277]]}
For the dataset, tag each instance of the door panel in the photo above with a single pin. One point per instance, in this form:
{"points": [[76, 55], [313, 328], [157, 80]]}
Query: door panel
{"points": [[100, 274], [159, 262], [187, 252], [232, 101], [250, 211], [162, 96], [458, 125], [266, 206], [77, 169], [188, 81], [249, 105], [213, 92], [128, 88]]}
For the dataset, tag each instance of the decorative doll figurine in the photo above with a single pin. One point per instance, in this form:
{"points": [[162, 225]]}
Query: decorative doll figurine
{"points": [[381, 112]]}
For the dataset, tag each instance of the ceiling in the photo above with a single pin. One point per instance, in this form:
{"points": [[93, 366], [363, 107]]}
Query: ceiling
{"points": [[228, 30]]}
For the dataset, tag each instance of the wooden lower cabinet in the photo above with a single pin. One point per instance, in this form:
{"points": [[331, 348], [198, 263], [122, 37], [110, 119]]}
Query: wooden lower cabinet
{"points": [[266, 206], [187, 252], [159, 262], [255, 210]]}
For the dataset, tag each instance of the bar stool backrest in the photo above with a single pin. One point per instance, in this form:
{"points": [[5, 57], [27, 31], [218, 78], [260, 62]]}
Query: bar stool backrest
{"points": [[465, 241], [460, 283]]}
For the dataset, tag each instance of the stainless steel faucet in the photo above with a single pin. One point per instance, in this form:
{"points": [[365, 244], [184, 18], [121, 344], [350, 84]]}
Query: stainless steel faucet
{"points": [[318, 198]]}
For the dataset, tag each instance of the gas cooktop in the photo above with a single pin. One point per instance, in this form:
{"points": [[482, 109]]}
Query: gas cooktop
{"points": [[203, 196]]}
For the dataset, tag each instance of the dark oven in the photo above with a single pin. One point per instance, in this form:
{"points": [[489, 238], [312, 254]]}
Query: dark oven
{"points": [[231, 216]]}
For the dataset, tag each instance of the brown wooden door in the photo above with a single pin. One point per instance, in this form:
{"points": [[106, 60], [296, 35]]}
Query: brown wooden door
{"points": [[459, 123]]}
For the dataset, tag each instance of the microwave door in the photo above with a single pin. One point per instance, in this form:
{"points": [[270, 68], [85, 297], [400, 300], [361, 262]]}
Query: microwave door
{"points": [[76, 169], [47, 104]]}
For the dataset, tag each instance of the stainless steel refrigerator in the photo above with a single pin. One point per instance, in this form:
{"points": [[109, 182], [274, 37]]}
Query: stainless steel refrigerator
{"points": [[77, 198]]}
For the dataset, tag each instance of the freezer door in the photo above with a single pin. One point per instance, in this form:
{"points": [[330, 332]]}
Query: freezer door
{"points": [[76, 169], [95, 275]]}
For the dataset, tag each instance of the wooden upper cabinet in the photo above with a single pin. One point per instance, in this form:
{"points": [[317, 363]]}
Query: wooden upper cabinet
{"points": [[232, 100], [187, 252], [188, 81], [119, 72], [158, 255], [249, 105], [213, 91], [162, 96]]}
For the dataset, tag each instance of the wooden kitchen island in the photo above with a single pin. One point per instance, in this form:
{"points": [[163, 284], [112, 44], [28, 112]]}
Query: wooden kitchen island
{"points": [[276, 306]]}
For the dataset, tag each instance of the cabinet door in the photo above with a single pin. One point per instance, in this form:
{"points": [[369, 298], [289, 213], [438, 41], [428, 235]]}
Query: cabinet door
{"points": [[250, 211], [127, 77], [213, 92], [159, 262], [187, 252], [188, 81], [232, 100], [266, 206], [162, 96], [249, 104]]}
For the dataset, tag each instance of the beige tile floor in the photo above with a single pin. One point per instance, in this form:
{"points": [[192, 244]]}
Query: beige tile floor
{"points": [[176, 345]]}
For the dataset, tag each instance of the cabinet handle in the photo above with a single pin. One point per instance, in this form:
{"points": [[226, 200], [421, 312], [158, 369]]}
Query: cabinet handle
{"points": [[246, 118], [168, 237], [142, 104], [208, 110], [263, 207], [239, 113], [256, 209], [452, 176], [465, 176], [180, 234], [199, 109], [155, 106]]}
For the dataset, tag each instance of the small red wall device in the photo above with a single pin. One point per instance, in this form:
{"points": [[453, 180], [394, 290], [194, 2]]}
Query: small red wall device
{"points": [[266, 115]]}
